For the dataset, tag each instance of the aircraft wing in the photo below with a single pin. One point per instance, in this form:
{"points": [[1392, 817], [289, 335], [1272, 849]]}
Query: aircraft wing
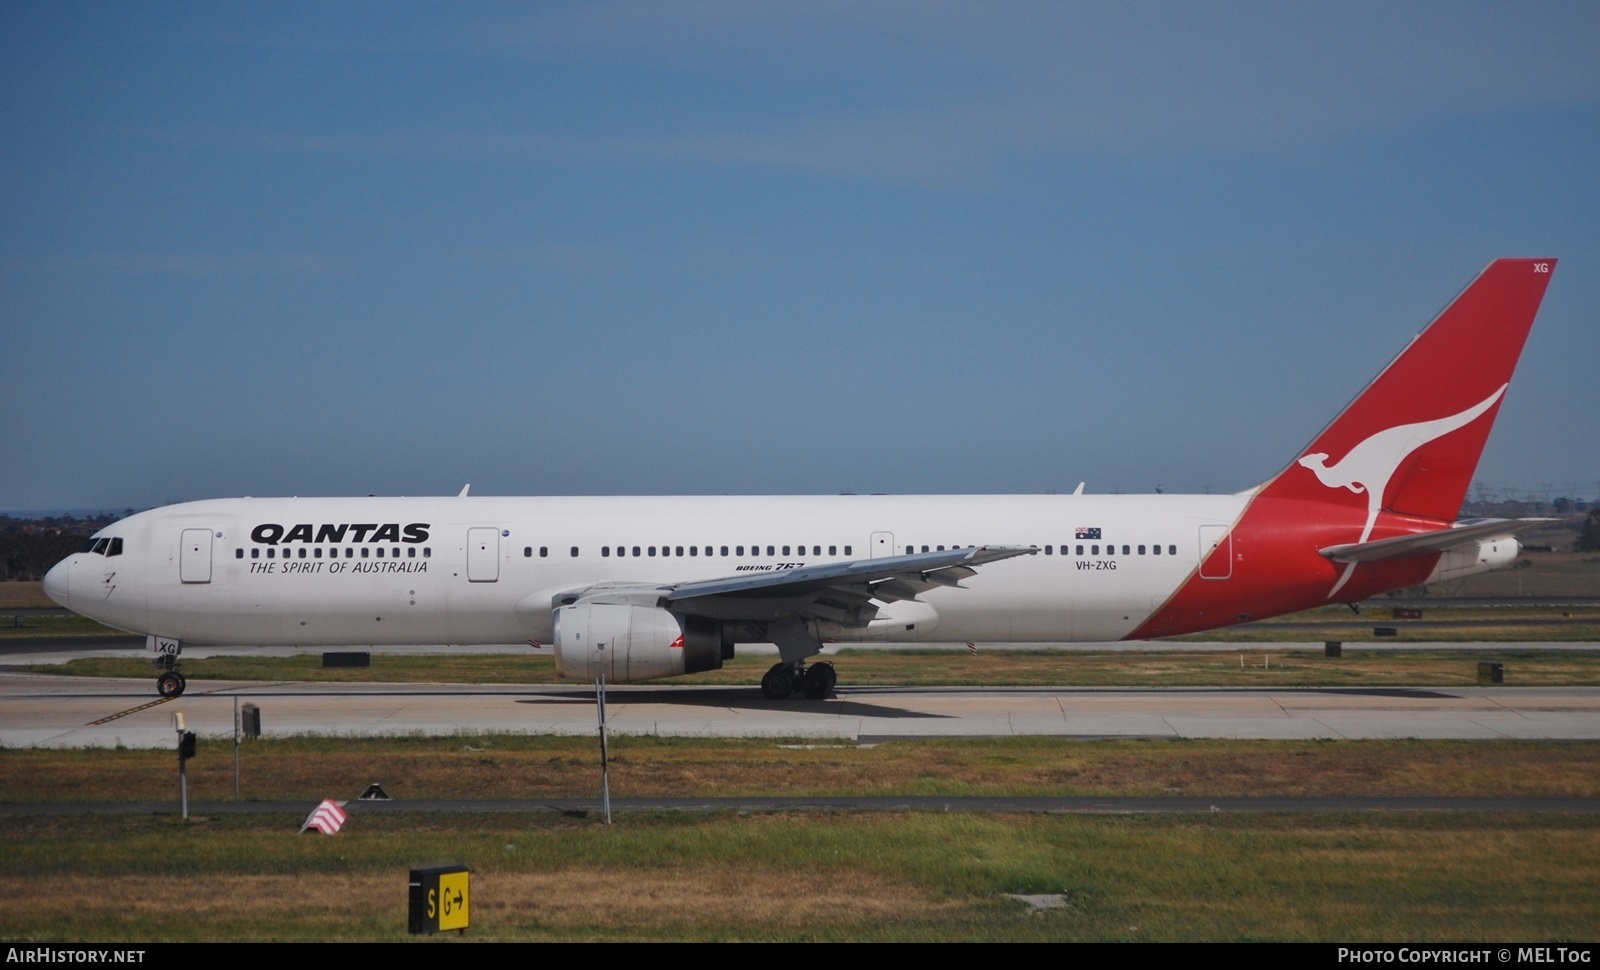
{"points": [[1426, 543], [839, 591], [894, 577], [842, 591]]}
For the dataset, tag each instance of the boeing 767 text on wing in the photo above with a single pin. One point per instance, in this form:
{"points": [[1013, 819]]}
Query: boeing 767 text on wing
{"points": [[637, 588]]}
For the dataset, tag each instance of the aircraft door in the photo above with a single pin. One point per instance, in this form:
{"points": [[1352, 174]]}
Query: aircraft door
{"points": [[1216, 539], [882, 545], [483, 555], [194, 556]]}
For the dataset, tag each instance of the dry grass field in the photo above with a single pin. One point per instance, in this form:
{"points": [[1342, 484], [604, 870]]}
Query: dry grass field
{"points": [[815, 877]]}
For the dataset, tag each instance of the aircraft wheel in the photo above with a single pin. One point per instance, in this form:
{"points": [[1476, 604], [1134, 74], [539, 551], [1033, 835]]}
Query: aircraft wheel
{"points": [[170, 684], [778, 682], [819, 681]]}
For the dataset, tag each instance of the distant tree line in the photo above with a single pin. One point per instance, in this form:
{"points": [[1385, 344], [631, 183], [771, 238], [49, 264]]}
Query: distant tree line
{"points": [[1589, 538], [29, 547]]}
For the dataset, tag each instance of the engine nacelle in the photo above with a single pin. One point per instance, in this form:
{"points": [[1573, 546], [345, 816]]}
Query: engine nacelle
{"points": [[1486, 555], [628, 643]]}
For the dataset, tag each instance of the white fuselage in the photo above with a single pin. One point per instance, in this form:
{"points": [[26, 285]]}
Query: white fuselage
{"points": [[471, 570]]}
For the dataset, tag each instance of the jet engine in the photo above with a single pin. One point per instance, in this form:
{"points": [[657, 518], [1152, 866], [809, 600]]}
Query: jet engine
{"points": [[628, 643]]}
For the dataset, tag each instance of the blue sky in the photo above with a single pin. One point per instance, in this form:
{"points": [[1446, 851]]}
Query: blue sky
{"points": [[767, 247]]}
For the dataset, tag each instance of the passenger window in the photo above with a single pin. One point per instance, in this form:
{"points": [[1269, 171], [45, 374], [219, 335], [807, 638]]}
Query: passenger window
{"points": [[427, 552], [255, 553], [238, 553], [1094, 550], [770, 552], [380, 552], [527, 552], [635, 550], [1079, 552], [544, 552], [1141, 550], [651, 550], [411, 552], [724, 550], [816, 550], [1172, 550], [302, 552], [605, 552], [679, 551], [1047, 550], [574, 552], [785, 550], [847, 550], [365, 552], [833, 550], [911, 550], [1156, 550], [694, 550]]}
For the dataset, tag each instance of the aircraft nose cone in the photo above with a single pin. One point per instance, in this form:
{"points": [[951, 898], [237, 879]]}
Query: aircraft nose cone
{"points": [[58, 582]]}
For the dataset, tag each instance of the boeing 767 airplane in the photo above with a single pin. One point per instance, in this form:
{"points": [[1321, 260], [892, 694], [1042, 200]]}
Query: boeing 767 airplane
{"points": [[636, 588]]}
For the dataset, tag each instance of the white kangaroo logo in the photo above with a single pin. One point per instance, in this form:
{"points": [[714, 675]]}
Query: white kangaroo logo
{"points": [[1369, 465]]}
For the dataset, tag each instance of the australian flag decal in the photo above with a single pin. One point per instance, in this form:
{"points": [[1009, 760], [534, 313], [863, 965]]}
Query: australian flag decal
{"points": [[1083, 533]]}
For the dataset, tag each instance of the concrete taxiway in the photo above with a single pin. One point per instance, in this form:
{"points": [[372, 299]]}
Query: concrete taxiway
{"points": [[44, 710]]}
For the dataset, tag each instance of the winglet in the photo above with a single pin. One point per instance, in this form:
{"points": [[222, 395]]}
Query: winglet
{"points": [[464, 489]]}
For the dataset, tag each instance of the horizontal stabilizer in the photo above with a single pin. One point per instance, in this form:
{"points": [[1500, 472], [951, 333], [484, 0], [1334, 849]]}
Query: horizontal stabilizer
{"points": [[1428, 543]]}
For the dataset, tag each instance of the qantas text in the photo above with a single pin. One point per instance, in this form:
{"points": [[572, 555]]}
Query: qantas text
{"points": [[270, 533]]}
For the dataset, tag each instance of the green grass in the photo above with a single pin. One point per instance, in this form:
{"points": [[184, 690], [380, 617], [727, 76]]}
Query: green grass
{"points": [[1249, 666], [815, 877], [1564, 624], [50, 625], [542, 766]]}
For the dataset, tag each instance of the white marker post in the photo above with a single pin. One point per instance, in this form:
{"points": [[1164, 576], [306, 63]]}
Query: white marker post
{"points": [[183, 767], [605, 766]]}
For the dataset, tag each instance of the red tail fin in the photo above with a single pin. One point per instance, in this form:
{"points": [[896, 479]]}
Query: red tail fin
{"points": [[1410, 442]]}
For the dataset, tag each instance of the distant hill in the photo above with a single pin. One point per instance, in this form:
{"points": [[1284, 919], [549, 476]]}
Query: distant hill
{"points": [[65, 513]]}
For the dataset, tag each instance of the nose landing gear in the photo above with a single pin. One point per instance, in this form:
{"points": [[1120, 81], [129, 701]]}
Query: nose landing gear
{"points": [[171, 684], [816, 681]]}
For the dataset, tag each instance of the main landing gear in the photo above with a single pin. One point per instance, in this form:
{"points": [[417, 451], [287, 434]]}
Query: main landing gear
{"points": [[816, 681]]}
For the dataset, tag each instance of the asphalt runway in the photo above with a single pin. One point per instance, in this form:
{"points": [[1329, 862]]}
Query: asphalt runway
{"points": [[51, 711]]}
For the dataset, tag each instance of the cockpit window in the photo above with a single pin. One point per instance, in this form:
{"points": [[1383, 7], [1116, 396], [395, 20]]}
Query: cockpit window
{"points": [[99, 546], [116, 547]]}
